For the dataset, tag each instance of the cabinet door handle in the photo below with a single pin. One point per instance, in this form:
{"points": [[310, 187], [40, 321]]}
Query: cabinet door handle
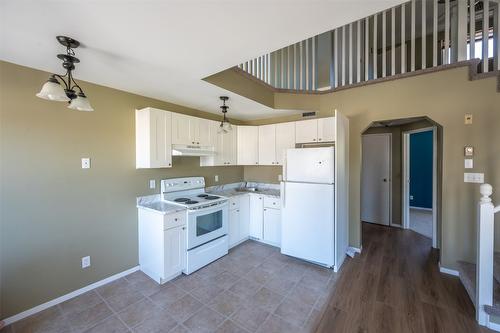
{"points": [[265, 209], [175, 219], [197, 143], [319, 139], [183, 228], [169, 164], [314, 139]]}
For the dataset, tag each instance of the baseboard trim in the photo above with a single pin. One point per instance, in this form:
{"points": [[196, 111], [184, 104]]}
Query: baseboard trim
{"points": [[66, 297], [493, 326], [357, 249], [448, 271]]}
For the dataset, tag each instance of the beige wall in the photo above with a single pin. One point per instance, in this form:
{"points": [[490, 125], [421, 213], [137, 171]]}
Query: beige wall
{"points": [[53, 212], [445, 97]]}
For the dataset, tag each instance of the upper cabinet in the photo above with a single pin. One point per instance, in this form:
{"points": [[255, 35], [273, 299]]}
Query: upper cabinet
{"points": [[225, 147], [326, 129], [188, 130], [315, 130], [247, 145], [267, 145], [153, 138], [285, 139]]}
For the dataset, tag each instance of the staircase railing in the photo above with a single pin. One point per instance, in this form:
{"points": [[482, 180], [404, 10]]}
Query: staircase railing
{"points": [[387, 44], [485, 253]]}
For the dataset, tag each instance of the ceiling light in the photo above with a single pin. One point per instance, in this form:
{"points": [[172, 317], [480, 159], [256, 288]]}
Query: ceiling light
{"points": [[225, 125], [52, 90]]}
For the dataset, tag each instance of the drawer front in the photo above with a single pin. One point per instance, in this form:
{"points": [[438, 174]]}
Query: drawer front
{"points": [[270, 202], [174, 220], [234, 202]]}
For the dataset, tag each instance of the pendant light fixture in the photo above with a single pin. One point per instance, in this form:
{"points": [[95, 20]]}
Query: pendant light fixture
{"points": [[225, 125], [69, 91]]}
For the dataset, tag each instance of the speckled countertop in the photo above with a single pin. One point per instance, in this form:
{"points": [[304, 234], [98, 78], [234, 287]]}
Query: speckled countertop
{"points": [[154, 203], [230, 190]]}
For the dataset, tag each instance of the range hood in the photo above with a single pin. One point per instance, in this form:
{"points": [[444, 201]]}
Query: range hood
{"points": [[189, 150]]}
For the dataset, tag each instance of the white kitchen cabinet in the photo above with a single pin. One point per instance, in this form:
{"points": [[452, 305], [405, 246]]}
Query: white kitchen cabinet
{"points": [[175, 250], [315, 130], [244, 216], [306, 131], [239, 216], [272, 226], [162, 244], [285, 139], [256, 216], [181, 129], [267, 145], [188, 130], [225, 148], [153, 138], [234, 227], [326, 129], [247, 145], [229, 147]]}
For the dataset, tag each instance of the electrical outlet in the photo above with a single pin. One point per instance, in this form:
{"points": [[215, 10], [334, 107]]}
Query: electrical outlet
{"points": [[85, 163], [86, 262], [468, 163], [152, 184], [216, 178], [468, 119], [280, 178]]}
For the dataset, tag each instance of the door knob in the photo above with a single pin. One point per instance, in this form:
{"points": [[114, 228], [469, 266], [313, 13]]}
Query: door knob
{"points": [[385, 180]]}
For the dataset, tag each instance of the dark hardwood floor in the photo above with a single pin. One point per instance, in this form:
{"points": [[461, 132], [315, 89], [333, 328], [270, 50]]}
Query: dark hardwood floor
{"points": [[395, 286]]}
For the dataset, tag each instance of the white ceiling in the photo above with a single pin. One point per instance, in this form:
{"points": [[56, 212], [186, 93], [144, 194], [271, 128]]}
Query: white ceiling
{"points": [[163, 49]]}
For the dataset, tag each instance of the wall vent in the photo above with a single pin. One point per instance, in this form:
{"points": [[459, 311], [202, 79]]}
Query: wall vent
{"points": [[308, 114]]}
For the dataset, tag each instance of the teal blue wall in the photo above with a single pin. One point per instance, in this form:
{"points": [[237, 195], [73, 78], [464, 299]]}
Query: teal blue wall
{"points": [[421, 169]]}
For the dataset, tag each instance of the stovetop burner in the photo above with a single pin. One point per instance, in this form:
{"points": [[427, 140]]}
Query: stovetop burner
{"points": [[181, 200], [211, 197], [191, 202], [202, 195]]}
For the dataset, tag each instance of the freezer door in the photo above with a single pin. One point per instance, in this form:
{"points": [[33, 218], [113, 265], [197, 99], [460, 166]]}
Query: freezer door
{"points": [[310, 165], [307, 222]]}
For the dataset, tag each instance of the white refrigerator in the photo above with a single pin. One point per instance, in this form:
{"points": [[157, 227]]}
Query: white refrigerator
{"points": [[308, 205]]}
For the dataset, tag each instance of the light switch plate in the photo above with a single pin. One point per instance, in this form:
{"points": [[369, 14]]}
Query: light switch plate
{"points": [[470, 177], [468, 163], [86, 262], [216, 178], [86, 163], [152, 184]]}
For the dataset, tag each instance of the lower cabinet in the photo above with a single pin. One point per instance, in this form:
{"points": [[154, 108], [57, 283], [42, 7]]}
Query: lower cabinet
{"points": [[162, 244], [175, 251], [239, 219], [272, 226], [256, 216]]}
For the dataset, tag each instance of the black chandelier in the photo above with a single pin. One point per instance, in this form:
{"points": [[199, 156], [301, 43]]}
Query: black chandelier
{"points": [[225, 125], [70, 92]]}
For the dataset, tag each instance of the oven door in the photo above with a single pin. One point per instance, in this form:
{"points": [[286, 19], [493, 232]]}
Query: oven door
{"points": [[206, 224]]}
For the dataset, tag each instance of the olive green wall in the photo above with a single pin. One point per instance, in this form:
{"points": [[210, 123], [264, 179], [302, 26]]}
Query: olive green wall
{"points": [[444, 97], [53, 212]]}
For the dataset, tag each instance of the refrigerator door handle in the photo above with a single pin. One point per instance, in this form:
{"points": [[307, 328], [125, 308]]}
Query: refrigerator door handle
{"points": [[284, 167]]}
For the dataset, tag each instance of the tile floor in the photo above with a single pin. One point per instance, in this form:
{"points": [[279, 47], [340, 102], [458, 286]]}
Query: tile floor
{"points": [[252, 289]]}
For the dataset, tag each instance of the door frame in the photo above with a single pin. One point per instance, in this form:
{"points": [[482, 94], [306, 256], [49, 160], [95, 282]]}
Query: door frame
{"points": [[390, 172], [406, 180]]}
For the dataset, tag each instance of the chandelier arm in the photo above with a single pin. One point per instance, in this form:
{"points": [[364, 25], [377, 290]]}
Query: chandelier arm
{"points": [[62, 79]]}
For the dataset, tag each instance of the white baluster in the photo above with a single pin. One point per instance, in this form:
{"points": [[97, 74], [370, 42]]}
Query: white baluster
{"points": [[484, 269]]}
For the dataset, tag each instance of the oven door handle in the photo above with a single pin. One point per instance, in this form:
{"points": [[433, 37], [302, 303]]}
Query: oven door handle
{"points": [[209, 210]]}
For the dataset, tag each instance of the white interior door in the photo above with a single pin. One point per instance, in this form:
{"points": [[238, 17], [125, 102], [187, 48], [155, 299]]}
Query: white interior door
{"points": [[376, 179]]}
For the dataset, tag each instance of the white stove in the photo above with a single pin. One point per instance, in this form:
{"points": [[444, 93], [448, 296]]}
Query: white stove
{"points": [[207, 219]]}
